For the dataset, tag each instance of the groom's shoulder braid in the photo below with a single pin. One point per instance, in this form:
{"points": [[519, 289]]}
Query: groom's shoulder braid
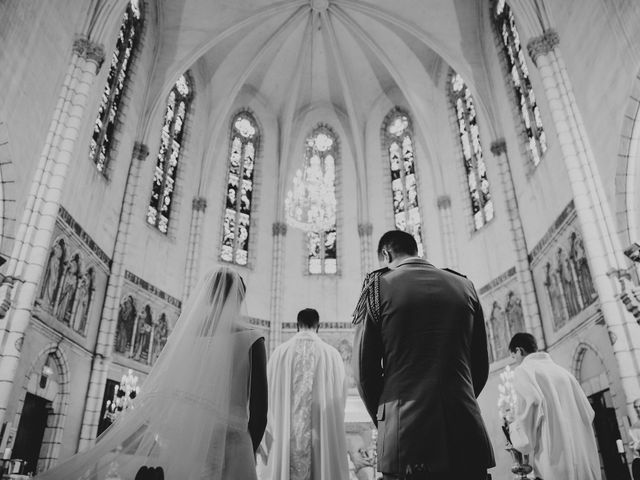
{"points": [[454, 272], [369, 302]]}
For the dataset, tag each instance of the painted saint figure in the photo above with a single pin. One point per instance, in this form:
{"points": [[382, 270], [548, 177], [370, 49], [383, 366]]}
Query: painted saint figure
{"points": [[144, 330], [124, 329], [84, 295], [52, 274], [68, 290]]}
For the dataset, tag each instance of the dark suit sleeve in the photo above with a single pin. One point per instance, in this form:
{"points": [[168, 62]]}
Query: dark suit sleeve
{"points": [[479, 352], [258, 396], [368, 364]]}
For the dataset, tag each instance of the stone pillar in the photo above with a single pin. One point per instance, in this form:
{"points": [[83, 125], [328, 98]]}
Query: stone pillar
{"points": [[594, 214], [33, 236], [530, 307], [104, 345], [279, 231], [199, 205], [365, 230], [447, 230]]}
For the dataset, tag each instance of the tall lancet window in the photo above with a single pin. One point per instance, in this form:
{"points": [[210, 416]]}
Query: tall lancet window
{"points": [[245, 137], [106, 121], [398, 143], [505, 25], [474, 166], [171, 138], [321, 152]]}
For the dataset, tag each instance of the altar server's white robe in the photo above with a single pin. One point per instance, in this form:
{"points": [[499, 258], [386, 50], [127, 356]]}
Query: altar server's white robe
{"points": [[553, 421], [305, 438]]}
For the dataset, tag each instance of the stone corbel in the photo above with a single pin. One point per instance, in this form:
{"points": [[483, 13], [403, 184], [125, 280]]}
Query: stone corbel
{"points": [[140, 151], [365, 229], [199, 204], [279, 228], [89, 50]]}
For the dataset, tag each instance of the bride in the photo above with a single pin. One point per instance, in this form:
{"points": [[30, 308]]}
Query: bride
{"points": [[202, 410]]}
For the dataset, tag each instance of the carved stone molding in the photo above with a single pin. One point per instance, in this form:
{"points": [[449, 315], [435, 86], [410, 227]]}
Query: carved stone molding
{"points": [[279, 228], [85, 48], [543, 44], [444, 201], [199, 204], [498, 147], [140, 151], [365, 229]]}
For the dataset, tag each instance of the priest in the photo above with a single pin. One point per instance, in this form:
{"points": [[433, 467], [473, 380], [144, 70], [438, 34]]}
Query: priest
{"points": [[305, 437], [553, 418]]}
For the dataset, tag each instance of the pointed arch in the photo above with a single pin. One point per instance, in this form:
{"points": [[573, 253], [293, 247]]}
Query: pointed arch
{"points": [[398, 143], [169, 155], [244, 142], [101, 143], [477, 180]]}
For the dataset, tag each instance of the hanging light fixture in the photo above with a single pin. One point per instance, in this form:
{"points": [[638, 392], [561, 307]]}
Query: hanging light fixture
{"points": [[310, 205]]}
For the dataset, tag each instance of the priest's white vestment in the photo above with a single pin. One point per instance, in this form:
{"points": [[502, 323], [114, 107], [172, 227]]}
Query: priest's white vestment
{"points": [[305, 438], [553, 421]]}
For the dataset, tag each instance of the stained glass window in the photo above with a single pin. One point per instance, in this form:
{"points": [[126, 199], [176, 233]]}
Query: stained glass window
{"points": [[505, 25], [321, 151], [245, 136], [474, 166], [398, 143], [104, 126], [171, 136]]}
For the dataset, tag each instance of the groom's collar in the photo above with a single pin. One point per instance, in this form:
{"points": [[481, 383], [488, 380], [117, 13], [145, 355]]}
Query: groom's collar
{"points": [[414, 261]]}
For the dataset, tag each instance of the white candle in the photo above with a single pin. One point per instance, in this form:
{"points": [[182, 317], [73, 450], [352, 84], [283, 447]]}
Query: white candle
{"points": [[620, 446], [7, 454]]}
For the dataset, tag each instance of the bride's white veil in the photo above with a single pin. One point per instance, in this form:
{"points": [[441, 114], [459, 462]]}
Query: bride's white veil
{"points": [[182, 416]]}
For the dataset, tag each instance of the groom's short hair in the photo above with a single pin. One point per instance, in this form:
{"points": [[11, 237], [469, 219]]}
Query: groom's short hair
{"points": [[398, 242], [308, 318], [525, 341]]}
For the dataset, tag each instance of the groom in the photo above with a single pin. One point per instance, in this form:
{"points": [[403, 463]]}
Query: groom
{"points": [[421, 362]]}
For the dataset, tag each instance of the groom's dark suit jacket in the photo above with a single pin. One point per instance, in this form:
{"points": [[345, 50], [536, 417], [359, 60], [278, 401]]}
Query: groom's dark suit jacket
{"points": [[420, 361]]}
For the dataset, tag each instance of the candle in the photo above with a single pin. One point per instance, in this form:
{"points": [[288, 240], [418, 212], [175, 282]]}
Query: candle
{"points": [[7, 453], [620, 446]]}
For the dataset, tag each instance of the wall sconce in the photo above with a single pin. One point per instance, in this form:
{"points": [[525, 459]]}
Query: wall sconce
{"points": [[46, 372]]}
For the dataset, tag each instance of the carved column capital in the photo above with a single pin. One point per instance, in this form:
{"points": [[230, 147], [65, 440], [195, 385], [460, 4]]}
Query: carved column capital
{"points": [[199, 204], [444, 201], [279, 228], [498, 147], [89, 50], [365, 229], [543, 44], [140, 151]]}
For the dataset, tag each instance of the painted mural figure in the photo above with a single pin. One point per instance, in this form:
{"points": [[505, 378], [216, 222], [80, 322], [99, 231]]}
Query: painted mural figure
{"points": [[124, 329], [52, 274], [346, 352], [84, 295], [514, 313], [68, 290], [568, 284], [556, 298], [161, 333], [500, 332], [144, 330], [581, 265]]}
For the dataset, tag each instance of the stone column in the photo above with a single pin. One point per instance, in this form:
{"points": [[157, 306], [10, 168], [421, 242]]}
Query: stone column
{"points": [[199, 205], [365, 230], [530, 307], [33, 236], [447, 230], [104, 345], [279, 231], [593, 211]]}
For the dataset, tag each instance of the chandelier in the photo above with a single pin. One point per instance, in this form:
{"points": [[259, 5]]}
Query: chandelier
{"points": [[123, 395], [311, 204]]}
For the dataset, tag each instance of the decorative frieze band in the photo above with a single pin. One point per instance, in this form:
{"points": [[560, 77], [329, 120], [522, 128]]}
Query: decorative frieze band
{"points": [[279, 228], [444, 202], [365, 229], [543, 44], [140, 151], [548, 236], [497, 281], [152, 289], [85, 48], [84, 236], [199, 204], [499, 147]]}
